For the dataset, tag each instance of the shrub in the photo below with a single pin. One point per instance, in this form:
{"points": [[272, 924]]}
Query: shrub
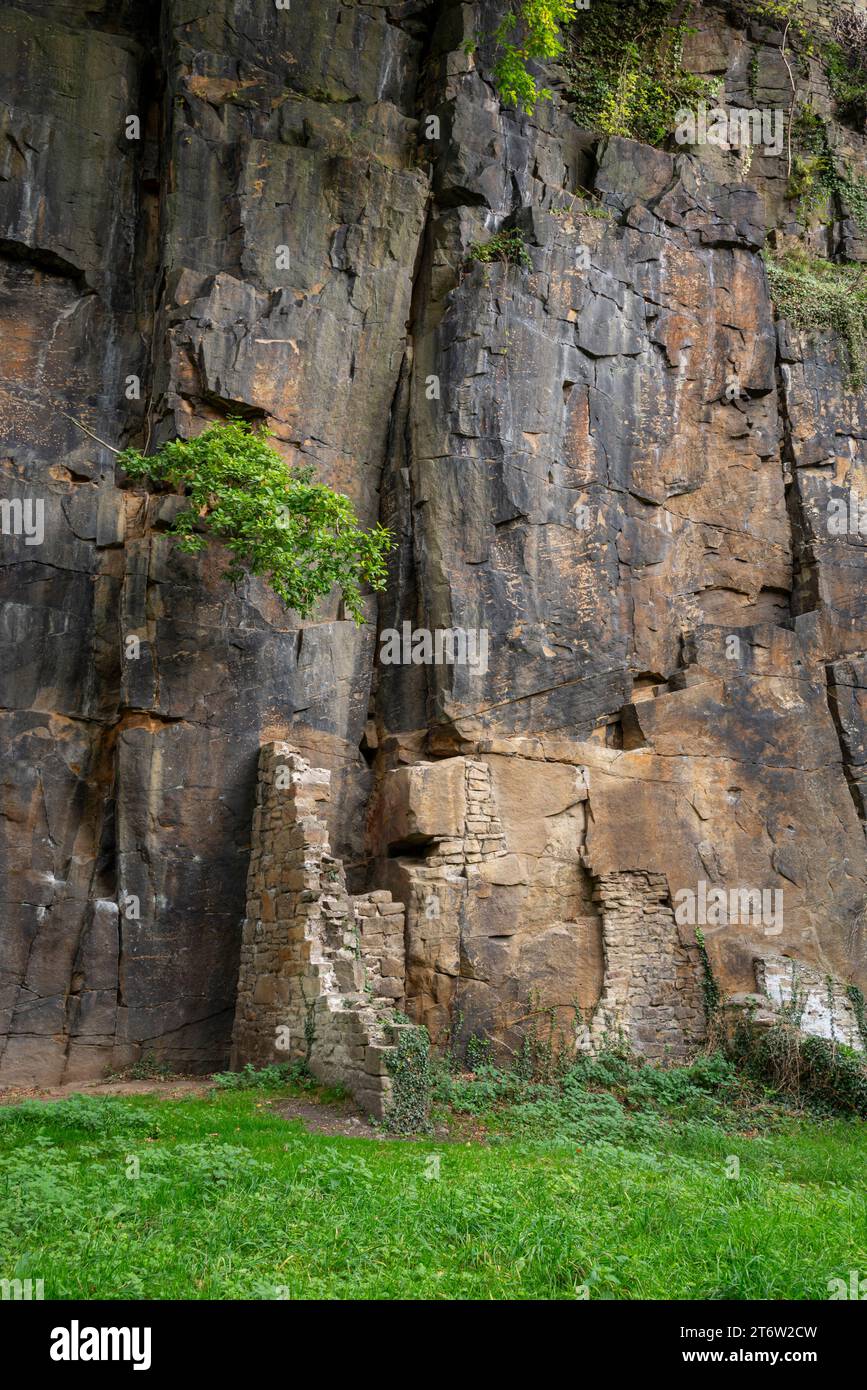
{"points": [[610, 1095], [530, 31], [814, 1071], [508, 247], [93, 1115], [410, 1070], [626, 70], [484, 1090], [277, 521]]}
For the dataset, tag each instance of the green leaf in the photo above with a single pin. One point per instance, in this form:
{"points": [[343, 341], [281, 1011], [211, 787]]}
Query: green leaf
{"points": [[277, 522]]}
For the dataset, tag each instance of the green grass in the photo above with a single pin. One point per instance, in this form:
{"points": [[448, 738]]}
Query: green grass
{"points": [[614, 1180]]}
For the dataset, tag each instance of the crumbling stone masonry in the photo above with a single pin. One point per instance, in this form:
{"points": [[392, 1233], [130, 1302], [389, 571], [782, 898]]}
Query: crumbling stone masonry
{"points": [[793, 991], [652, 992], [467, 891], [442, 818], [321, 972]]}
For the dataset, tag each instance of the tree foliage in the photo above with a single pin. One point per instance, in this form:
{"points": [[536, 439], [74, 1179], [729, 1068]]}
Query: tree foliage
{"points": [[277, 522], [530, 31]]}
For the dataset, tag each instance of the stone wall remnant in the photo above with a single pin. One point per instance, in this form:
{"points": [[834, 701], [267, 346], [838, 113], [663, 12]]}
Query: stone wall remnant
{"points": [[321, 971]]}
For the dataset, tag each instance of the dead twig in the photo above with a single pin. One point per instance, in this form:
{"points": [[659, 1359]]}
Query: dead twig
{"points": [[794, 99], [103, 442]]}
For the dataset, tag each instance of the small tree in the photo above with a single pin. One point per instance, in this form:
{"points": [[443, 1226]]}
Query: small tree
{"points": [[277, 521], [529, 31]]}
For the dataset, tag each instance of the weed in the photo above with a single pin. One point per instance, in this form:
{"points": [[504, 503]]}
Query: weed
{"points": [[507, 246], [270, 1078], [824, 1075]]}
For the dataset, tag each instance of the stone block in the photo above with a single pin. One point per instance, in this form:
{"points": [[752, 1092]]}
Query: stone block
{"points": [[422, 802]]}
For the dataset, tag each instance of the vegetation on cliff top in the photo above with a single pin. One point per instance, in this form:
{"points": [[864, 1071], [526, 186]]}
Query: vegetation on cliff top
{"points": [[819, 176], [626, 70], [276, 521], [624, 61], [625, 58]]}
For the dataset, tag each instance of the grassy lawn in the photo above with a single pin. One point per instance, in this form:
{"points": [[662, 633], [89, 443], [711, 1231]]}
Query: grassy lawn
{"points": [[616, 1181]]}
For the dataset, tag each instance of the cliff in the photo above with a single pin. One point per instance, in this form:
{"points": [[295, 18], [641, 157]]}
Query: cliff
{"points": [[614, 461]]}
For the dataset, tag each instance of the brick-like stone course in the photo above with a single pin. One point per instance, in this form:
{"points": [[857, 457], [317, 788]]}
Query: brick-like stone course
{"points": [[652, 993], [321, 971]]}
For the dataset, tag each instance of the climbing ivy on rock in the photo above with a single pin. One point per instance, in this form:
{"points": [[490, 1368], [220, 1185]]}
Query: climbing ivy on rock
{"points": [[410, 1070], [856, 999], [845, 62], [819, 175], [711, 993], [820, 295], [625, 63]]}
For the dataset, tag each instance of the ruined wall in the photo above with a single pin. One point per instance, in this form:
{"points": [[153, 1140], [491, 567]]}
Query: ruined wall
{"points": [[515, 930], [652, 995], [321, 972], [622, 740], [815, 1002]]}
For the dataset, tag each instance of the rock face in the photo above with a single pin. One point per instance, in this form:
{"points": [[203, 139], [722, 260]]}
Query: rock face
{"points": [[670, 700]]}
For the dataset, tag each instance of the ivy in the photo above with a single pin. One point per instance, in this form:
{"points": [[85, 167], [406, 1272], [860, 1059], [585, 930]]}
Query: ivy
{"points": [[625, 63], [711, 992], [840, 46], [845, 61], [823, 295], [818, 176], [777, 14], [856, 999], [817, 1072], [410, 1069], [793, 1011], [277, 522]]}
